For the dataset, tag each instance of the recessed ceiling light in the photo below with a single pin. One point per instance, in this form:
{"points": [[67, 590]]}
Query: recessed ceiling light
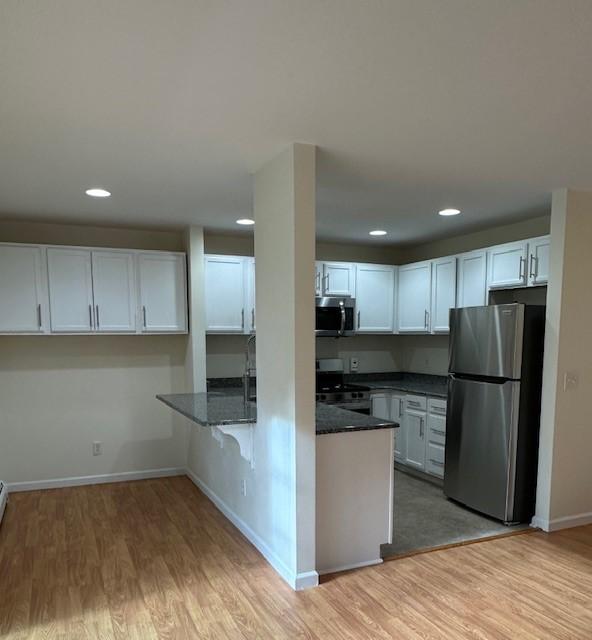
{"points": [[98, 193], [245, 221], [378, 232], [449, 212]]}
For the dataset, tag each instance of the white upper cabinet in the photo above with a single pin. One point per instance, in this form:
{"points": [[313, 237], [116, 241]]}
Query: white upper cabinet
{"points": [[114, 291], [23, 307], [338, 279], [375, 287], [507, 265], [471, 290], [414, 297], [226, 300], [251, 297], [70, 290], [538, 261], [163, 292], [318, 279], [443, 293]]}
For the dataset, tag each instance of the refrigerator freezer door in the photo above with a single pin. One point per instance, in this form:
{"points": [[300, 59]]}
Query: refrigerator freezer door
{"points": [[487, 341], [481, 437]]}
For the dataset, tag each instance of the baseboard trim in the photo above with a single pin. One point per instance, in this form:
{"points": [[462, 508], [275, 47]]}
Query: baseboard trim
{"points": [[77, 481], [349, 567], [566, 522], [296, 581]]}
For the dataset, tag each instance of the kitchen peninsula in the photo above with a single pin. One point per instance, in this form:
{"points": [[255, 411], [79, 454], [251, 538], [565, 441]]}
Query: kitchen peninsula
{"points": [[354, 471]]}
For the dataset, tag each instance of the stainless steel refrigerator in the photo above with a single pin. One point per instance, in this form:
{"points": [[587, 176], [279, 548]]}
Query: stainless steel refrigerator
{"points": [[493, 412]]}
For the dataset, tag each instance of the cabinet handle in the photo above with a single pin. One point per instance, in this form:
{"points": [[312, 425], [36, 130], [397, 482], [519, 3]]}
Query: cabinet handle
{"points": [[253, 319], [413, 403], [532, 274], [421, 427], [358, 319], [97, 314], [39, 321], [522, 262], [400, 407], [426, 318], [436, 462], [243, 319], [90, 316], [144, 315], [327, 276], [439, 431]]}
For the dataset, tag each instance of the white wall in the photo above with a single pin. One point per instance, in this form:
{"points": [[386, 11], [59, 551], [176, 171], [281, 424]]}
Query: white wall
{"points": [[60, 393], [278, 512], [564, 494]]}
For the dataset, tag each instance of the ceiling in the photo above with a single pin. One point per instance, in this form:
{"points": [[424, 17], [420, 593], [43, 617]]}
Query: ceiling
{"points": [[415, 106]]}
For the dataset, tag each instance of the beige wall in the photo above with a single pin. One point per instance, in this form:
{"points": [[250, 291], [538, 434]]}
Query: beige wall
{"points": [[564, 496], [60, 393], [530, 228], [89, 236]]}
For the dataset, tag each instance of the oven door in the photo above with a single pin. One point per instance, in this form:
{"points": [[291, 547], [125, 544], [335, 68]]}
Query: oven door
{"points": [[334, 317]]}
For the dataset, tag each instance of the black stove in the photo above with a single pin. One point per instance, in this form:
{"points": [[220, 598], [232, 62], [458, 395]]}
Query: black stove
{"points": [[331, 389]]}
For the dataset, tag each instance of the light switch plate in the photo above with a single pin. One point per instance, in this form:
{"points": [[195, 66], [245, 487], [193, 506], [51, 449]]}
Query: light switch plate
{"points": [[570, 381]]}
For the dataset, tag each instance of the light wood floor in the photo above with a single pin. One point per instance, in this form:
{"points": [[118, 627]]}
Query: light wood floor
{"points": [[155, 559]]}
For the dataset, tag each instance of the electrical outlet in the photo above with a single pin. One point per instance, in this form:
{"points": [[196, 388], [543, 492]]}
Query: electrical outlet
{"points": [[570, 381], [354, 363], [243, 487], [97, 448]]}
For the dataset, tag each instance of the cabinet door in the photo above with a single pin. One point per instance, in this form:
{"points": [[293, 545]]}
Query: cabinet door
{"points": [[538, 261], [381, 406], [338, 279], [472, 279], [398, 415], [163, 292], [415, 425], [225, 294], [114, 291], [507, 265], [375, 290], [436, 437], [22, 291], [70, 290], [318, 279], [443, 293], [251, 295], [414, 298]]}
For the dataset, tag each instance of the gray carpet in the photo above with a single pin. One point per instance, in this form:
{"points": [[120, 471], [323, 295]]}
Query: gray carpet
{"points": [[425, 518]]}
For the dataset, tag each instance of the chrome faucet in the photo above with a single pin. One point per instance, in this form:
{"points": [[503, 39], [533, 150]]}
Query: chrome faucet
{"points": [[250, 368]]}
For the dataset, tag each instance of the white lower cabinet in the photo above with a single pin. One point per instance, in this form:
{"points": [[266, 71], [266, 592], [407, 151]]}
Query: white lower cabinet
{"points": [[436, 437], [415, 426], [421, 439]]}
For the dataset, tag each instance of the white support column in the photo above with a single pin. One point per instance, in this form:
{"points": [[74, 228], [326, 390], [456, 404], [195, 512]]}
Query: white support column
{"points": [[284, 204], [195, 360], [564, 495]]}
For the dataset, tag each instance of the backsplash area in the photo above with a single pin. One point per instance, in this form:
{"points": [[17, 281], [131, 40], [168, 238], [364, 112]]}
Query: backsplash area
{"points": [[376, 353]]}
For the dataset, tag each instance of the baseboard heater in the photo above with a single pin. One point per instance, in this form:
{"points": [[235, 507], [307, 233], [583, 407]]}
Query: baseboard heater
{"points": [[3, 498]]}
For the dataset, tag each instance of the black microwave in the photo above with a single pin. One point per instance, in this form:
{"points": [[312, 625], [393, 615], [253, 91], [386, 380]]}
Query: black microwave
{"points": [[335, 316]]}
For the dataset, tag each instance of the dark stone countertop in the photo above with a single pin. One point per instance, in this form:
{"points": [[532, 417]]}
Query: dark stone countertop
{"points": [[227, 407], [415, 383]]}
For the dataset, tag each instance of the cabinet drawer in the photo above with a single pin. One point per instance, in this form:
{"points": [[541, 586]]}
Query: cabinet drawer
{"points": [[416, 402], [437, 435], [437, 406], [435, 459]]}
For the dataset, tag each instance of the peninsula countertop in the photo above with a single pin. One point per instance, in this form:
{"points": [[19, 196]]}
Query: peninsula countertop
{"points": [[218, 408]]}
